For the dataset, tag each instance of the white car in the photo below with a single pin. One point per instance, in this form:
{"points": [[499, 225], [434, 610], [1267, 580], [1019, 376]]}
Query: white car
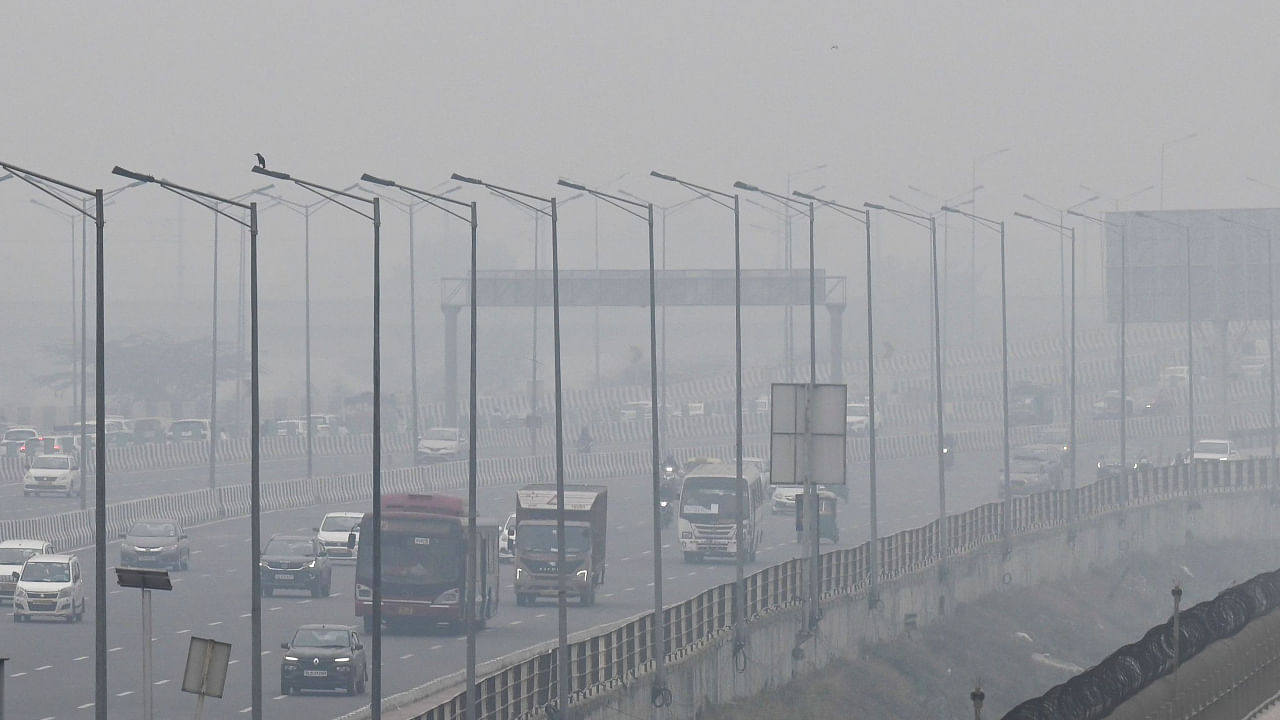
{"points": [[857, 418], [784, 499], [334, 530], [50, 586], [1214, 450], [507, 540], [13, 555], [441, 443], [53, 474]]}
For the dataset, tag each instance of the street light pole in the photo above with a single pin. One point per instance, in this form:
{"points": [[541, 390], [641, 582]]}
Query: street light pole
{"points": [[374, 216], [1191, 374], [998, 226], [63, 192], [864, 216], [929, 222], [1071, 451], [973, 238], [661, 694], [732, 203], [215, 203]]}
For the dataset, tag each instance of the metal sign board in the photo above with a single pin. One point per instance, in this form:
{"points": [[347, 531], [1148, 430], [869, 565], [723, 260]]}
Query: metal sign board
{"points": [[206, 671], [1228, 262], [807, 434]]}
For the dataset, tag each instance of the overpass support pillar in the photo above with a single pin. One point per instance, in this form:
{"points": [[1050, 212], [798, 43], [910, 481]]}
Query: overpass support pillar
{"points": [[450, 365], [836, 313], [1222, 357]]}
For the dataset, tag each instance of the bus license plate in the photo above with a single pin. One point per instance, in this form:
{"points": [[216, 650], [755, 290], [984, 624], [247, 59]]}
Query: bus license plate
{"points": [[315, 673], [283, 576]]}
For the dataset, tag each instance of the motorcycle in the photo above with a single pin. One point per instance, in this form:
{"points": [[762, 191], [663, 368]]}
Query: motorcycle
{"points": [[948, 451], [666, 511]]}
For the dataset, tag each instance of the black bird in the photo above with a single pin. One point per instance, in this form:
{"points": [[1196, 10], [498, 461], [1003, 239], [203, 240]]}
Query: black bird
{"points": [[262, 162]]}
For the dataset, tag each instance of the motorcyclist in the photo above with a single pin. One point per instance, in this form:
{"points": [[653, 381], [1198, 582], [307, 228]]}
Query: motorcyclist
{"points": [[670, 463]]}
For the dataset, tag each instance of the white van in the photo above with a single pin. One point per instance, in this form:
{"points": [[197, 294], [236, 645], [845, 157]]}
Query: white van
{"points": [[13, 555], [49, 586], [53, 474]]}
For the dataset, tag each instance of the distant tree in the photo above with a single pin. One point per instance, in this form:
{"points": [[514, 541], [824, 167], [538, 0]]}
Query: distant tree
{"points": [[149, 368]]}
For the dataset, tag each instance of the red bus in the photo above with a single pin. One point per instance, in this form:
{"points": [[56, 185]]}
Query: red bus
{"points": [[424, 541]]}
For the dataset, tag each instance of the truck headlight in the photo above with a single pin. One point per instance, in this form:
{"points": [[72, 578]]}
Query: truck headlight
{"points": [[342, 659], [290, 658]]}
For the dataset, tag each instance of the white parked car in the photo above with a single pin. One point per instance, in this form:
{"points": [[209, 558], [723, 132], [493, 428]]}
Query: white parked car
{"points": [[507, 540], [1214, 450], [441, 443], [53, 474], [49, 586], [784, 499], [334, 530], [13, 555], [857, 418]]}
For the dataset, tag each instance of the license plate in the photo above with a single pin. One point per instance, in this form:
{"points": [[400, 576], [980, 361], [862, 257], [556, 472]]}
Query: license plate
{"points": [[315, 673], [404, 610], [283, 576]]}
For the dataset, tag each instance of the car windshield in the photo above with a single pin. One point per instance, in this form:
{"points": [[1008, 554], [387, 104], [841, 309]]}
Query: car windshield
{"points": [[15, 556], [542, 538], [442, 434], [340, 523], [289, 547], [49, 462], [19, 434], [319, 638], [1212, 447], [46, 572], [153, 529]]}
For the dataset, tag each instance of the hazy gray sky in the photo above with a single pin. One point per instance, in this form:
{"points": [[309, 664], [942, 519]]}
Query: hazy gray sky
{"points": [[887, 94]]}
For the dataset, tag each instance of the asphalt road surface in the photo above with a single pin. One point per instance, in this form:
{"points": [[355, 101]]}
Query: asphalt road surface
{"points": [[50, 673]]}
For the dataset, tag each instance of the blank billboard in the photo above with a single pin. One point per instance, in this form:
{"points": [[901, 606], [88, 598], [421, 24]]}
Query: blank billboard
{"points": [[1228, 263]]}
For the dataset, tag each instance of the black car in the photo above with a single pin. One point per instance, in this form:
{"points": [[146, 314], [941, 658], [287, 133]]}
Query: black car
{"points": [[295, 562], [155, 542], [323, 657]]}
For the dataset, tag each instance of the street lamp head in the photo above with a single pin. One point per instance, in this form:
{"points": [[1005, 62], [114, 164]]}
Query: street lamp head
{"points": [[465, 179], [1023, 215], [271, 173], [805, 195], [661, 176], [746, 186], [377, 180], [873, 206], [571, 185], [117, 170]]}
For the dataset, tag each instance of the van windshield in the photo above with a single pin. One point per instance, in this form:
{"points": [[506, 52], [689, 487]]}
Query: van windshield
{"points": [[15, 556], [46, 572]]}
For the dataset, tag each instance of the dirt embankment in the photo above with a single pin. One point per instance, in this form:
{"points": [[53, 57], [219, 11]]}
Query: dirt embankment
{"points": [[1018, 644]]}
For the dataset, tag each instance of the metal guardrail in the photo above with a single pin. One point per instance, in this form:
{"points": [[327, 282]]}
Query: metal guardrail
{"points": [[620, 652]]}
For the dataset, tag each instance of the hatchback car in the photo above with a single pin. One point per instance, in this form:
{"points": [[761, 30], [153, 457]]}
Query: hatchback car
{"points": [[295, 562], [155, 542], [49, 586], [323, 657], [13, 555], [335, 529]]}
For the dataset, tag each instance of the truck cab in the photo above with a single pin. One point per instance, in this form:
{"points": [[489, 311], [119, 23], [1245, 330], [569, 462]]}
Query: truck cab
{"points": [[537, 552]]}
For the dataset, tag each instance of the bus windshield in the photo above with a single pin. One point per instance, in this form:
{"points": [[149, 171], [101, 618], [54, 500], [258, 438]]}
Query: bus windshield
{"points": [[409, 557], [716, 496]]}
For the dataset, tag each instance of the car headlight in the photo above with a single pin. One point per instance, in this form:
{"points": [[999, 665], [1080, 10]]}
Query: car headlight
{"points": [[262, 564], [663, 504], [290, 658], [342, 659], [582, 574]]}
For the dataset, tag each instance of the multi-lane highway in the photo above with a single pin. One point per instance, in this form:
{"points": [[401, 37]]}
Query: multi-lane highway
{"points": [[50, 674]]}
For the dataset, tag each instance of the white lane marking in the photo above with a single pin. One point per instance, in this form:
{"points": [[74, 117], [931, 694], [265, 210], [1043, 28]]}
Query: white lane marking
{"points": [[692, 573], [160, 682], [335, 595], [82, 657], [667, 546], [232, 662], [406, 657], [197, 552], [515, 622], [111, 592], [122, 694], [245, 615], [436, 647], [671, 578], [646, 552], [649, 584], [115, 649], [630, 589], [540, 615], [625, 559], [48, 717], [84, 706], [276, 607], [278, 697], [266, 652], [17, 675], [43, 667], [215, 623], [245, 710], [183, 632], [607, 595], [303, 602]]}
